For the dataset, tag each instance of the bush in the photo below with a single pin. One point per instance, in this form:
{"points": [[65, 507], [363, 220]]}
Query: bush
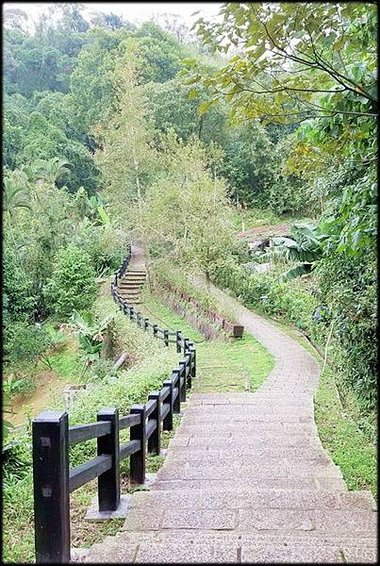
{"points": [[18, 299], [72, 285], [25, 342], [104, 244], [348, 283], [289, 300]]}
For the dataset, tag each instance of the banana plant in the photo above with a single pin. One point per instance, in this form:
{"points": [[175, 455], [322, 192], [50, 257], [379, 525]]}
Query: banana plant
{"points": [[90, 333], [304, 248]]}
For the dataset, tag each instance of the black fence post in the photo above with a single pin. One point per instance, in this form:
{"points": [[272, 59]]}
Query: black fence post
{"points": [[194, 364], [155, 329], [185, 345], [146, 324], [167, 423], [154, 441], [109, 481], [166, 337], [51, 487], [131, 312], [183, 385], [175, 379], [189, 357], [178, 341], [138, 432]]}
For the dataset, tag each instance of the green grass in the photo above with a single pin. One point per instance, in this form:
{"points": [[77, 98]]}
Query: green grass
{"points": [[66, 362], [239, 364], [349, 447]]}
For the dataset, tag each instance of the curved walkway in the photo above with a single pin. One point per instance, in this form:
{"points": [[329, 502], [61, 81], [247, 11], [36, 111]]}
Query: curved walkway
{"points": [[246, 479]]}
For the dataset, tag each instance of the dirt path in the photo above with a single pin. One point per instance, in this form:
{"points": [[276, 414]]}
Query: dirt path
{"points": [[246, 479]]}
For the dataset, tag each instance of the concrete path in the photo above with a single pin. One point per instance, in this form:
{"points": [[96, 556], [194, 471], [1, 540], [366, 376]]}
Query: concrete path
{"points": [[246, 479]]}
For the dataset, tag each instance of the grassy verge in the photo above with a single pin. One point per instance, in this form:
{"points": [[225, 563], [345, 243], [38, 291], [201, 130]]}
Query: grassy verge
{"points": [[240, 364], [340, 434]]}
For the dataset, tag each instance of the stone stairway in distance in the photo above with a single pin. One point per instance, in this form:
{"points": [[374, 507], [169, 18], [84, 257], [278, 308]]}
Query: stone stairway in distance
{"points": [[129, 286]]}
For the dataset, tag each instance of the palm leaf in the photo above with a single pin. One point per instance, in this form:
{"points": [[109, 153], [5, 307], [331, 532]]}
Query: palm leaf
{"points": [[294, 272]]}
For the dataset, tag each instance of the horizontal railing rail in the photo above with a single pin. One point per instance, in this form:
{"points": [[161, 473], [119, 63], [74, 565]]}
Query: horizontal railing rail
{"points": [[53, 479]]}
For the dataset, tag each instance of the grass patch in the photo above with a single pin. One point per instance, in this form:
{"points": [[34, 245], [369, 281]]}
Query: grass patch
{"points": [[239, 364], [66, 362], [349, 447]]}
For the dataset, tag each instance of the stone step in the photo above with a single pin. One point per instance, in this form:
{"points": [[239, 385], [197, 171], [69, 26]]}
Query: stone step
{"points": [[177, 471], [255, 417], [253, 499], [252, 520], [127, 295], [131, 284], [183, 454], [226, 429], [184, 546], [249, 441], [206, 460], [309, 483], [135, 270]]}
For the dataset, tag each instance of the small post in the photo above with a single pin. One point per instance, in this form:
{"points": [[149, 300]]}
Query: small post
{"points": [[194, 364], [166, 337], [189, 358], [178, 341], [183, 386], [154, 441], [146, 324], [138, 432], [186, 345], [51, 487], [167, 423], [155, 329], [131, 312], [109, 481], [175, 379]]}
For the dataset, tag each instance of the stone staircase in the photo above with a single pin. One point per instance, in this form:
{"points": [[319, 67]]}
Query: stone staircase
{"points": [[241, 485], [130, 284]]}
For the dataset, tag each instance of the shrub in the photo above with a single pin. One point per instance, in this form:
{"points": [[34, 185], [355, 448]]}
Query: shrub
{"points": [[72, 285], [104, 244], [18, 297], [25, 342], [348, 283]]}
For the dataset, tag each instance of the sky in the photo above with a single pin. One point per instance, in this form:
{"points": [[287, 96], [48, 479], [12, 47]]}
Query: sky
{"points": [[132, 11]]}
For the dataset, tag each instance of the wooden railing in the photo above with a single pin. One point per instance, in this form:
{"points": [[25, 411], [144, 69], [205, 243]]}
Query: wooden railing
{"points": [[52, 437]]}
